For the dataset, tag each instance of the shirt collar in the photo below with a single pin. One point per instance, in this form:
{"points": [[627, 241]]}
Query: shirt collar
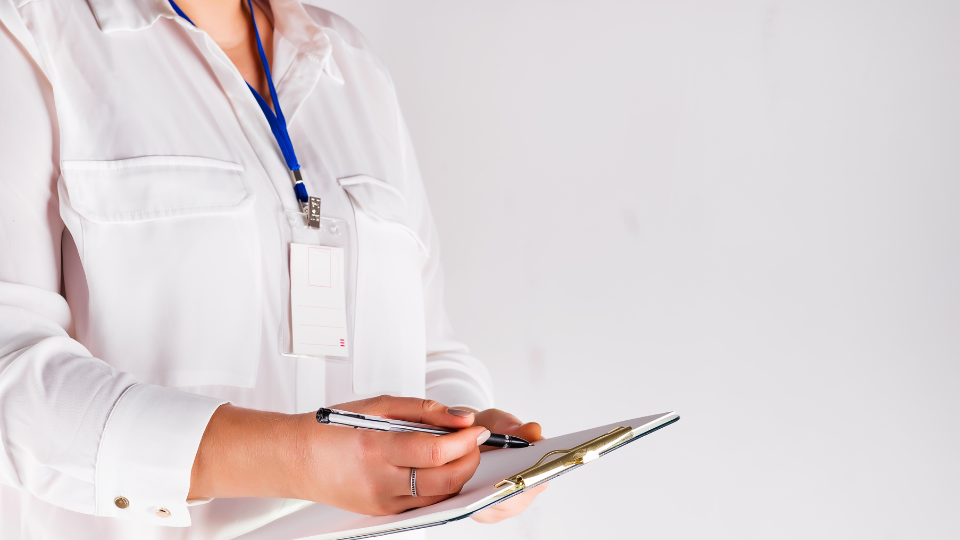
{"points": [[290, 19], [113, 15]]}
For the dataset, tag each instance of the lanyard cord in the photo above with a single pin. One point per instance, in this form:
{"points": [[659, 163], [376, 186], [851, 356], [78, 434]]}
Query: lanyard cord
{"points": [[278, 124]]}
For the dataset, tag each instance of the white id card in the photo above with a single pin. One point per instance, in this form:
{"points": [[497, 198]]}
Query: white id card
{"points": [[317, 301]]}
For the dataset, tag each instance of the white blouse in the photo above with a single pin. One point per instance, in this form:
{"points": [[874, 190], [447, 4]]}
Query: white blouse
{"points": [[146, 214]]}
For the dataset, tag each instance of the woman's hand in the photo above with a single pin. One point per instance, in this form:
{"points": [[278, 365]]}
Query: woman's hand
{"points": [[247, 453], [498, 421], [369, 471]]}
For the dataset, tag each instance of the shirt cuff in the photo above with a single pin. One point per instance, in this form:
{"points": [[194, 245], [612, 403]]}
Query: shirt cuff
{"points": [[146, 454]]}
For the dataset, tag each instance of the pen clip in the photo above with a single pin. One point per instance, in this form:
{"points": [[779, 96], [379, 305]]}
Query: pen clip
{"points": [[347, 418], [404, 423], [323, 415]]}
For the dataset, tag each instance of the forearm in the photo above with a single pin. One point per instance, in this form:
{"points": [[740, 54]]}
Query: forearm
{"points": [[247, 453]]}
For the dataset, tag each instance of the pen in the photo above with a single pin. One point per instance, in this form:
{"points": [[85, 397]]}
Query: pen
{"points": [[356, 420]]}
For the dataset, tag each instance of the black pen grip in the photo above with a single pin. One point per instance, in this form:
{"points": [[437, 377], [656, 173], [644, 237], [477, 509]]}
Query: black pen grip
{"points": [[505, 441]]}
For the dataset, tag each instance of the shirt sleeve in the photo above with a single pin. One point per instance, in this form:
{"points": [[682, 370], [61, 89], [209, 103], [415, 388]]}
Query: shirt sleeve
{"points": [[74, 431], [453, 376]]}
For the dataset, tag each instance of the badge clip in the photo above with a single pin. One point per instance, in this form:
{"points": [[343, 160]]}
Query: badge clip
{"points": [[312, 211]]}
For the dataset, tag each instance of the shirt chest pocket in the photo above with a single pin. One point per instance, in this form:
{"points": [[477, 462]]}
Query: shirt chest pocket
{"points": [[389, 350], [171, 256]]}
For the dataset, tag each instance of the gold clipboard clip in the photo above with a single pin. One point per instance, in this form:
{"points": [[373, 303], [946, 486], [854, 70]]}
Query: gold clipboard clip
{"points": [[578, 455]]}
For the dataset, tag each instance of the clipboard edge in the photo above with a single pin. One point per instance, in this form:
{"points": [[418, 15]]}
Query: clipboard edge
{"points": [[501, 499], [561, 473]]}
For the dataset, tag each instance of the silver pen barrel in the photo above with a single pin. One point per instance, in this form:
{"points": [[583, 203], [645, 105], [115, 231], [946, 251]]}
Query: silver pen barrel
{"points": [[406, 428]]}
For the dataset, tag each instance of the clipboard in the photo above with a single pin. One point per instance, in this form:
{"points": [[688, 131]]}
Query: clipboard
{"points": [[502, 474]]}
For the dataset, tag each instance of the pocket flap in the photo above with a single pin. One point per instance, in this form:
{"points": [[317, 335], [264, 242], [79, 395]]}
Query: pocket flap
{"points": [[153, 187], [382, 202]]}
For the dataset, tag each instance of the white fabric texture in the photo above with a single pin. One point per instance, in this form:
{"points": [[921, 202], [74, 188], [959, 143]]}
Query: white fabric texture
{"points": [[144, 227]]}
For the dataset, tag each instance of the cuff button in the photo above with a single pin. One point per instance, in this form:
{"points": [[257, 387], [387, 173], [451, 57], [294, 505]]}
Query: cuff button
{"points": [[163, 513], [121, 502]]}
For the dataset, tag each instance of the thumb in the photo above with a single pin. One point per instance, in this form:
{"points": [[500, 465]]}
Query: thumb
{"points": [[503, 422], [530, 431]]}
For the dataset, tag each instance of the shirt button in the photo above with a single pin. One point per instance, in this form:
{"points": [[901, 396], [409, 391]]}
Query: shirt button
{"points": [[121, 502], [163, 513]]}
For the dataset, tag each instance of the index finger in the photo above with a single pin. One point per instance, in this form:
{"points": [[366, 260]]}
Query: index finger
{"points": [[424, 411]]}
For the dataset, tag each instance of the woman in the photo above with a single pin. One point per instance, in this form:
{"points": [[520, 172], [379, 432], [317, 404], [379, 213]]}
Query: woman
{"points": [[149, 356]]}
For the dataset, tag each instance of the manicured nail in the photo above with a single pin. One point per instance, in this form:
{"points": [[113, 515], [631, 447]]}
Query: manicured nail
{"points": [[463, 413], [483, 437]]}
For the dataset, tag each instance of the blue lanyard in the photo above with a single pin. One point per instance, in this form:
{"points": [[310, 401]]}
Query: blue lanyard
{"points": [[278, 124]]}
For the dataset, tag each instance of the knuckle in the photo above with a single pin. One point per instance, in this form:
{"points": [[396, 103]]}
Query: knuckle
{"points": [[363, 444], [462, 476], [428, 405], [368, 447], [378, 403], [438, 453], [459, 478], [452, 483]]}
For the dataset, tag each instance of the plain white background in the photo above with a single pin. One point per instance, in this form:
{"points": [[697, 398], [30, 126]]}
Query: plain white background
{"points": [[746, 211]]}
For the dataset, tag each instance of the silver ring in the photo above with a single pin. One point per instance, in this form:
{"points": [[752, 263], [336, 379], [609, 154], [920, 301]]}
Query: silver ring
{"points": [[413, 481]]}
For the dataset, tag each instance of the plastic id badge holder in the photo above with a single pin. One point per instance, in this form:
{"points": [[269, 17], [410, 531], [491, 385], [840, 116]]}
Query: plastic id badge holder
{"points": [[316, 326]]}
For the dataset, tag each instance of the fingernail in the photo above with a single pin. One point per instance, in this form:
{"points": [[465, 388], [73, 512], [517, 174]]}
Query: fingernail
{"points": [[483, 437], [463, 413]]}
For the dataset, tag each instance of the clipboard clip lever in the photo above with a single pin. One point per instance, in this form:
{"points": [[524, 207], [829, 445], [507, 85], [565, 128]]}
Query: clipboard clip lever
{"points": [[578, 455]]}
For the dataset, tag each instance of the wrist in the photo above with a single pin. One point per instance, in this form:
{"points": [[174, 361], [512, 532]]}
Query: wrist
{"points": [[246, 453], [297, 455]]}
